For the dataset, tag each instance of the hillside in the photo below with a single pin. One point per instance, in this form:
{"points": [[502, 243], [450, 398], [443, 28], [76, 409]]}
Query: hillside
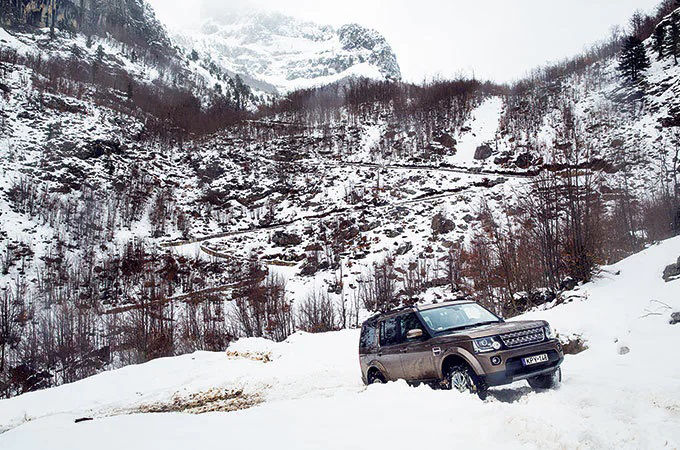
{"points": [[153, 207], [308, 387]]}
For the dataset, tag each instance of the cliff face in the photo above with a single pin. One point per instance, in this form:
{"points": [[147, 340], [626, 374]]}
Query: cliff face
{"points": [[278, 53], [62, 14], [129, 21]]}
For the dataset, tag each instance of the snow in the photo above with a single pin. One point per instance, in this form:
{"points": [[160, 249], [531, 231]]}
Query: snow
{"points": [[311, 396], [483, 125], [276, 53]]}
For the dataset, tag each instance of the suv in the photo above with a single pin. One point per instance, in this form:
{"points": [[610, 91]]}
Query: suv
{"points": [[458, 345]]}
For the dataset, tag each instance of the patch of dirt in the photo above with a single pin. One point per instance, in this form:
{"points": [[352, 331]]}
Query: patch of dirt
{"points": [[255, 356], [573, 345], [224, 400]]}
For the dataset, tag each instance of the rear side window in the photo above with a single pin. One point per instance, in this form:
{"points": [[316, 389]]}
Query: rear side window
{"points": [[367, 339], [389, 331]]}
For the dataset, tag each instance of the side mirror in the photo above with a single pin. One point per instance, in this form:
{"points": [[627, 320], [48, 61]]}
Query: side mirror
{"points": [[414, 334]]}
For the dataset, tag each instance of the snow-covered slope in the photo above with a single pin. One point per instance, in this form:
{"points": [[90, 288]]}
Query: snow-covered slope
{"points": [[306, 392], [276, 53]]}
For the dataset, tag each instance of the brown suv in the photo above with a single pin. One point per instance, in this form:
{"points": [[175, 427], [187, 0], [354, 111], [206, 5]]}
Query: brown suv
{"points": [[458, 345]]}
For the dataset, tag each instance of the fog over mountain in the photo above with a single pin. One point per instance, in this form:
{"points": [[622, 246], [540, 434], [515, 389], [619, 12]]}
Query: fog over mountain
{"points": [[495, 39]]}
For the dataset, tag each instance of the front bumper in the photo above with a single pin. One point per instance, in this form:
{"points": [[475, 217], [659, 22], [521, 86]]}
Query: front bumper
{"points": [[511, 368]]}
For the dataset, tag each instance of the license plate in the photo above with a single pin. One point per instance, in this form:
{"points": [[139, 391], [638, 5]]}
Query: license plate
{"points": [[535, 359]]}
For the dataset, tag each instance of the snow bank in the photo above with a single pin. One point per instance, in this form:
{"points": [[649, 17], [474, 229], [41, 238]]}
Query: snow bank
{"points": [[312, 396]]}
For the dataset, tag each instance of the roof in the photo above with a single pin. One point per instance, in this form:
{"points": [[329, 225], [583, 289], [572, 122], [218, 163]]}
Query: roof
{"points": [[417, 308], [439, 305]]}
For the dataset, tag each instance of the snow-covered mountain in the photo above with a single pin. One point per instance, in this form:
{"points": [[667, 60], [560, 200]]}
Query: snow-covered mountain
{"points": [[277, 53]]}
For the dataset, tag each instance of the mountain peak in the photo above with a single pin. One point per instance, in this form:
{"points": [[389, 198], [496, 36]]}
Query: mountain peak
{"points": [[280, 53]]}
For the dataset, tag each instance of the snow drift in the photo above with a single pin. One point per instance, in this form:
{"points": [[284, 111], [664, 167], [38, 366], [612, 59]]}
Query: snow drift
{"points": [[622, 392]]}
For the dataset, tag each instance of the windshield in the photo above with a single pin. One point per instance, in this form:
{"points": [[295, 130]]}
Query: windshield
{"points": [[457, 316]]}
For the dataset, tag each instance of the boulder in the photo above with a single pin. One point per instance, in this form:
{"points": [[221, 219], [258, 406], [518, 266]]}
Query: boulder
{"points": [[568, 284], [573, 345], [524, 160], [675, 318], [442, 225], [446, 140], [617, 143], [672, 272], [283, 239], [483, 152], [404, 249], [501, 160]]}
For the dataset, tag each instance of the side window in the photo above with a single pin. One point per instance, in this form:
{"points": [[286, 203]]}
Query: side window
{"points": [[367, 339], [389, 331], [409, 322]]}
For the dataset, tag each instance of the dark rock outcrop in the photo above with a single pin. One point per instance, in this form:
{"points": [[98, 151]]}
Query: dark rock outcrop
{"points": [[283, 239], [672, 272], [483, 152], [442, 225]]}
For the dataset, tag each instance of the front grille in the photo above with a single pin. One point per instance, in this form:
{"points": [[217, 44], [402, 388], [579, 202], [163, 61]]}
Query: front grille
{"points": [[523, 337]]}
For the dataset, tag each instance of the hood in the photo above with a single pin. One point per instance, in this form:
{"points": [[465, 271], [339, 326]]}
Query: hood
{"points": [[492, 329]]}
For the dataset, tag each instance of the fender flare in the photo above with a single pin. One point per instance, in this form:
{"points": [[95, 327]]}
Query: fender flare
{"points": [[465, 355], [375, 364]]}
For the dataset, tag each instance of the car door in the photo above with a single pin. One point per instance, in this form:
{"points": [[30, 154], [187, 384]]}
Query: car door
{"points": [[417, 359], [391, 347]]}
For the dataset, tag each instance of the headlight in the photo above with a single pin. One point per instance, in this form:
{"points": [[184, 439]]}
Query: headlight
{"points": [[486, 344], [549, 332]]}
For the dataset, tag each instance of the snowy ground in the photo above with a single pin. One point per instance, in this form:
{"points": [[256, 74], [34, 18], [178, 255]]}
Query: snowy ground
{"points": [[483, 125], [306, 392]]}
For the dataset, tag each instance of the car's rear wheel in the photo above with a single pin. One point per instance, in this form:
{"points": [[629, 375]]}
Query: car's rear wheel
{"points": [[462, 378], [375, 377], [548, 381]]}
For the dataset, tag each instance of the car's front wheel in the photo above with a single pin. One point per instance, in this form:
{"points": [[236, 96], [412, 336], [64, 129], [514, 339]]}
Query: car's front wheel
{"points": [[548, 381], [461, 378]]}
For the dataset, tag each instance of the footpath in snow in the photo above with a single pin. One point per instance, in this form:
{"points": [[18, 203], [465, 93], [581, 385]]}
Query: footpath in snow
{"points": [[306, 393]]}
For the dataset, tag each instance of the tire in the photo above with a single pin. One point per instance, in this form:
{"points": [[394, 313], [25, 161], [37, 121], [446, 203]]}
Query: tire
{"points": [[375, 377], [463, 379], [548, 381]]}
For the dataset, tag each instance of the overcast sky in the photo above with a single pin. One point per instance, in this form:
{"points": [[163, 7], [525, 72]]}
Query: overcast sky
{"points": [[492, 39]]}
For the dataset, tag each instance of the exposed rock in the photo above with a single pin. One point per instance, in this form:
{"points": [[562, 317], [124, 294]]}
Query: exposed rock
{"points": [[283, 239], [568, 284], [573, 345], [442, 225], [404, 249], [503, 159], [483, 152], [524, 301], [672, 272], [617, 143], [446, 140], [624, 350], [524, 160], [394, 233], [98, 148], [675, 318]]}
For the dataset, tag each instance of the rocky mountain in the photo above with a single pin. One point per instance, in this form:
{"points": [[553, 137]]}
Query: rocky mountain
{"points": [[276, 53], [128, 21]]}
